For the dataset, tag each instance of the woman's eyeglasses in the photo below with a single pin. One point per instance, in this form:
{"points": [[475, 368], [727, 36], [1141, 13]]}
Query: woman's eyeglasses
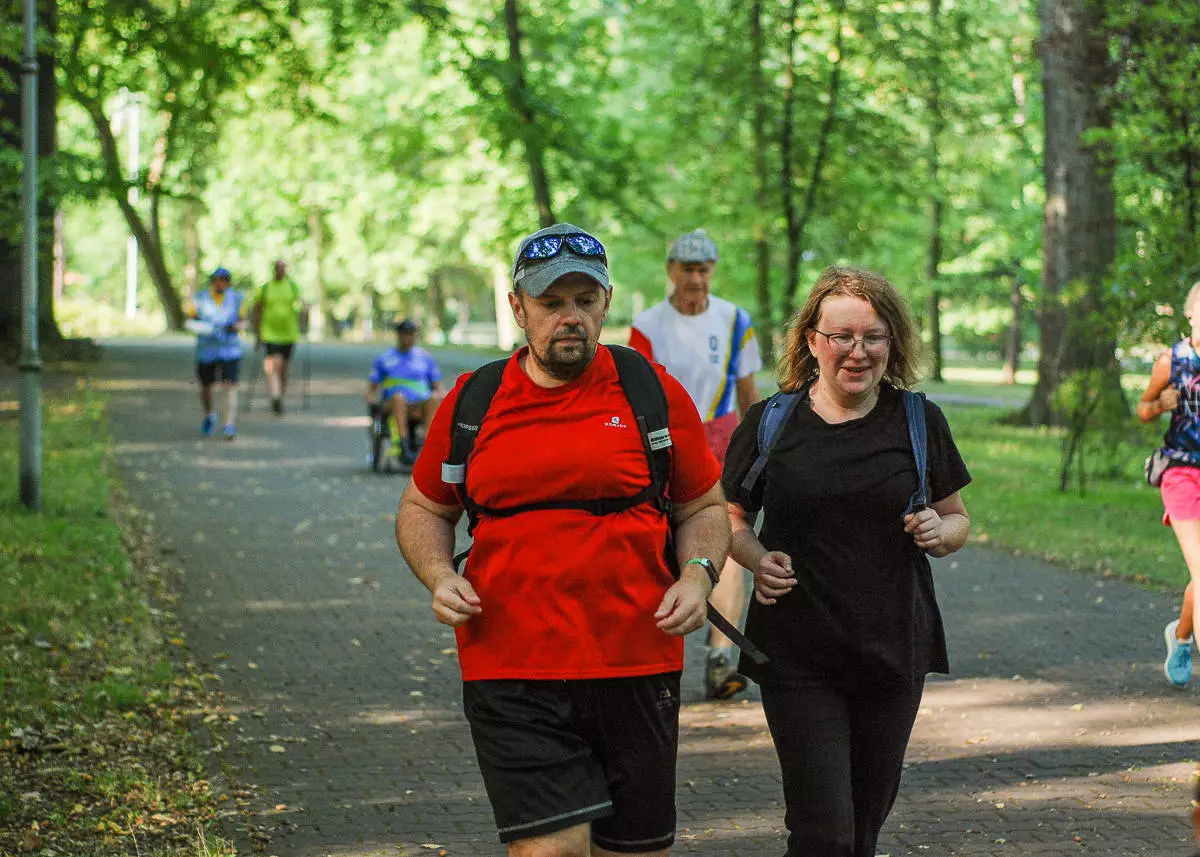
{"points": [[841, 344]]}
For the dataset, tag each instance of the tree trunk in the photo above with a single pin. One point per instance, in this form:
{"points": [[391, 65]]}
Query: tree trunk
{"points": [[936, 123], [786, 183], [526, 121], [798, 225], [762, 251], [1079, 227], [148, 245], [437, 301], [191, 247], [317, 234], [1012, 352], [933, 304], [1189, 180], [60, 254]]}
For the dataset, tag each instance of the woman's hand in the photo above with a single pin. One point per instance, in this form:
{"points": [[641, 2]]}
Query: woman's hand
{"points": [[1168, 399], [926, 527], [773, 577]]}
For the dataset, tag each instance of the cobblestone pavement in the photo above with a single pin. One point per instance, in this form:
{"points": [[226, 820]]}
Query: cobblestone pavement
{"points": [[1056, 734]]}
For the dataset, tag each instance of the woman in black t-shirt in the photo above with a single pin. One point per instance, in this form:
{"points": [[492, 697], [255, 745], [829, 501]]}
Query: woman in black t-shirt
{"points": [[843, 591]]}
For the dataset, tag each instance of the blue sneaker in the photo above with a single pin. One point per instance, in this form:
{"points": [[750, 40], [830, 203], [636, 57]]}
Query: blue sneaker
{"points": [[228, 431], [209, 425], [1178, 665]]}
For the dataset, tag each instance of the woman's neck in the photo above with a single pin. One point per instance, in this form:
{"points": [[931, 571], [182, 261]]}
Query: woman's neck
{"points": [[839, 408]]}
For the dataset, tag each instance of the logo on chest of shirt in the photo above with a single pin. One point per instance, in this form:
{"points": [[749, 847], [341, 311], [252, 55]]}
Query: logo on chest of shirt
{"points": [[713, 345], [615, 422]]}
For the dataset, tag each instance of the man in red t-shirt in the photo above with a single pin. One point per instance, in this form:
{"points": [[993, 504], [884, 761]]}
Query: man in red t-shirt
{"points": [[569, 623]]}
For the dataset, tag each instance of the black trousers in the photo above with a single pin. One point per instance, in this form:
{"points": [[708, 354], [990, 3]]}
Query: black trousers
{"points": [[841, 754]]}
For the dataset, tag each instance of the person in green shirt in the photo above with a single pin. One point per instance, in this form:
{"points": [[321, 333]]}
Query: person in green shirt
{"points": [[278, 317]]}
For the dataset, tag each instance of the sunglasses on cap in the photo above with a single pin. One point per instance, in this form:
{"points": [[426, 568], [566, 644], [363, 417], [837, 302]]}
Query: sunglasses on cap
{"points": [[549, 246]]}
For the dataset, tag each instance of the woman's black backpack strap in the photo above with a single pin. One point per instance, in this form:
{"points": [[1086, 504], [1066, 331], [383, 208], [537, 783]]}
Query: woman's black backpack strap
{"points": [[779, 410], [914, 411], [776, 414]]}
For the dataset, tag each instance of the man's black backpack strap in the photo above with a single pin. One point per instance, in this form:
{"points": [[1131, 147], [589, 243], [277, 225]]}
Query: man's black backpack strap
{"points": [[648, 399], [472, 405]]}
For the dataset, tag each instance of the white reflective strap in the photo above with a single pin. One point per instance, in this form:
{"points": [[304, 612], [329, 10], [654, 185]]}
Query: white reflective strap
{"points": [[454, 474], [660, 439]]}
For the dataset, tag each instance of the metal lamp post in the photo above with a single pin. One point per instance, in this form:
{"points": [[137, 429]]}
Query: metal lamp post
{"points": [[31, 362]]}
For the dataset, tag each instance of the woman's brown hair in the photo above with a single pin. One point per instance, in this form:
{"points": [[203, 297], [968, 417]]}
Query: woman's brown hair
{"points": [[798, 365]]}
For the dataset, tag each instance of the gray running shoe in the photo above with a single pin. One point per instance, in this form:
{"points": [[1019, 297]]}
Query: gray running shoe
{"points": [[721, 678]]}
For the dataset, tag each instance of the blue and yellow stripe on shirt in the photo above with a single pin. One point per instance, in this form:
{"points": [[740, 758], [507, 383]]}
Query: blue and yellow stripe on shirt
{"points": [[739, 335]]}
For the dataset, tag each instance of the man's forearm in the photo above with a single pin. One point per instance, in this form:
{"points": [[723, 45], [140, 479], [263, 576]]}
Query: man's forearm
{"points": [[747, 394], [426, 541], [704, 534]]}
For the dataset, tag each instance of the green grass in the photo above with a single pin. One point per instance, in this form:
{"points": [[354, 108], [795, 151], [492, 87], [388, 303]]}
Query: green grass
{"points": [[94, 756], [1114, 527]]}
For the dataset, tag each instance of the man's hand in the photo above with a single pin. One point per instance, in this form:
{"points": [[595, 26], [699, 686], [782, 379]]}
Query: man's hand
{"points": [[1168, 400], [684, 605], [455, 601]]}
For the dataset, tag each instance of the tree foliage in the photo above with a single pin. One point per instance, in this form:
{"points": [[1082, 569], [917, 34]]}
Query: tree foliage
{"points": [[392, 152]]}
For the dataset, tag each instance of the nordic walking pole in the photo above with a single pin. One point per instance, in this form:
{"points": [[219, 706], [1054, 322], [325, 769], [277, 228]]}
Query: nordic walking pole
{"points": [[253, 380], [307, 369]]}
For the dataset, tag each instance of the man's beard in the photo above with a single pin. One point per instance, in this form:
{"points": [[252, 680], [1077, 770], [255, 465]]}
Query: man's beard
{"points": [[565, 363]]}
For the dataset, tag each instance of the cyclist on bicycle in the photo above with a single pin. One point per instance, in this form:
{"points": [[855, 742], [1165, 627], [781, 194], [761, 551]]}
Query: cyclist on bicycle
{"points": [[405, 382]]}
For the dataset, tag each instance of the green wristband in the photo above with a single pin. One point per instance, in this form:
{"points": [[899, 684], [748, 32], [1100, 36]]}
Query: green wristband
{"points": [[713, 574]]}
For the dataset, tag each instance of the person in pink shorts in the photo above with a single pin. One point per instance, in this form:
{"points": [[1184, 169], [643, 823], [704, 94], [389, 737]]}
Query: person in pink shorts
{"points": [[1174, 389]]}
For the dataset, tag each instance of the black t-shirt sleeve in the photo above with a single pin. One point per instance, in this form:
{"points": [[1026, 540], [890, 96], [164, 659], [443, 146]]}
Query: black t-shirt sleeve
{"points": [[947, 471], [740, 457]]}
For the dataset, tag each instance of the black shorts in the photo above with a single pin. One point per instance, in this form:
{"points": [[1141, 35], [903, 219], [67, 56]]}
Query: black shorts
{"points": [[555, 754], [221, 370], [282, 348]]}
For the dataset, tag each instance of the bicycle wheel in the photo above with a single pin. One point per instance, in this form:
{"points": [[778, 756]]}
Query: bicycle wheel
{"points": [[379, 440]]}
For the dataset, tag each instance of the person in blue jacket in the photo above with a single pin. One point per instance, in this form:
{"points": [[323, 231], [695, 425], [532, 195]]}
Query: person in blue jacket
{"points": [[216, 315]]}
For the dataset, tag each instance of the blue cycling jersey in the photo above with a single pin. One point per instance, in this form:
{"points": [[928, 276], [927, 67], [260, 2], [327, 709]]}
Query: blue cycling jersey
{"points": [[411, 372]]}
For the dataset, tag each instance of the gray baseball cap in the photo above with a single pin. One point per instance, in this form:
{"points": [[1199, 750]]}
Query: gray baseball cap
{"points": [[534, 276], [694, 246]]}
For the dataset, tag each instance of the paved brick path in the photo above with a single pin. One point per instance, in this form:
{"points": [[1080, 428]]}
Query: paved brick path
{"points": [[1056, 735]]}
